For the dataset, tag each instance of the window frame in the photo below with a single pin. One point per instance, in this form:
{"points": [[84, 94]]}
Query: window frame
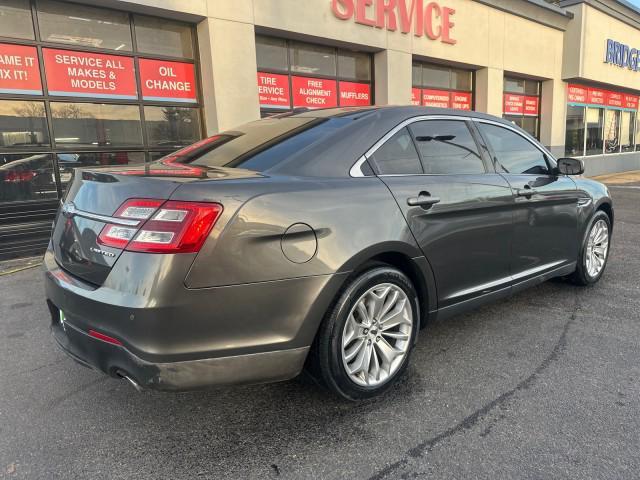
{"points": [[548, 158], [524, 93], [426, 86], [146, 147], [357, 170]]}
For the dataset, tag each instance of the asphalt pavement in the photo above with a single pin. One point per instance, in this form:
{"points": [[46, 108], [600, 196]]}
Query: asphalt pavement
{"points": [[542, 385]]}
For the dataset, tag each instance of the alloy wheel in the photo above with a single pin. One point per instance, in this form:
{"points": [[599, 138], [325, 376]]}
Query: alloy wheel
{"points": [[377, 334], [597, 247]]}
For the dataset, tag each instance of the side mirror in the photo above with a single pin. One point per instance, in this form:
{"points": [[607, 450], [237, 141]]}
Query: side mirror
{"points": [[570, 166]]}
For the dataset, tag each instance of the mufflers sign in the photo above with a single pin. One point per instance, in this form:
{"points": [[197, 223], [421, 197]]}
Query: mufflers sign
{"points": [[423, 18]]}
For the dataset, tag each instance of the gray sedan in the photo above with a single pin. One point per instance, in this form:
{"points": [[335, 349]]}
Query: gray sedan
{"points": [[321, 240]]}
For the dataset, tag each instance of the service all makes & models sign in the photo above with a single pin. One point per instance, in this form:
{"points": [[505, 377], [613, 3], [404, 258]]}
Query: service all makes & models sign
{"points": [[314, 92], [19, 70], [87, 74], [168, 81]]}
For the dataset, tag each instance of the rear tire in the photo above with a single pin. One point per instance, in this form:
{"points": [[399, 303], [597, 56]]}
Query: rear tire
{"points": [[365, 341], [594, 251]]}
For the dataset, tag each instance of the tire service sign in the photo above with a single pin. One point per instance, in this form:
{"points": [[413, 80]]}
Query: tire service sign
{"points": [[19, 70], [86, 74]]}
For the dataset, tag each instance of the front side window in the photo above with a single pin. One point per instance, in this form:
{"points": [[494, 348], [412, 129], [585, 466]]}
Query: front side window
{"points": [[312, 59], [611, 131], [15, 19], [514, 153], [626, 131], [172, 126], [163, 37], [574, 139], [271, 53], [81, 25], [398, 156], [447, 147]]}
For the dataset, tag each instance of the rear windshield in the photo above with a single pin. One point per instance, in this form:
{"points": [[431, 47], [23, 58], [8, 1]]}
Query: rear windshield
{"points": [[263, 144]]}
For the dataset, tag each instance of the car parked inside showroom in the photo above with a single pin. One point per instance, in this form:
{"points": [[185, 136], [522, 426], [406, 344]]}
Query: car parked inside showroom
{"points": [[322, 240]]}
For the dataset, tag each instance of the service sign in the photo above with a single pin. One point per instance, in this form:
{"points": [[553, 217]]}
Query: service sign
{"points": [[513, 104], [354, 94], [416, 93], [273, 90], [461, 100], [435, 98], [86, 74], [614, 99], [19, 70], [630, 101], [577, 94], [314, 92], [168, 81], [596, 96], [531, 106]]}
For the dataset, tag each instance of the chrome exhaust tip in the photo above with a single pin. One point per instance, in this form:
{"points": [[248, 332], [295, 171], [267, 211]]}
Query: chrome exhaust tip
{"points": [[133, 383]]}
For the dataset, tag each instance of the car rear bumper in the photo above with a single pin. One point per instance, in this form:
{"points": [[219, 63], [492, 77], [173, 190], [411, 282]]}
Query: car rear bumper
{"points": [[117, 361], [183, 339]]}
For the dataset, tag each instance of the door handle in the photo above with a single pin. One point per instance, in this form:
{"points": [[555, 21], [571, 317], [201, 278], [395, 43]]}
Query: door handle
{"points": [[424, 200], [527, 191]]}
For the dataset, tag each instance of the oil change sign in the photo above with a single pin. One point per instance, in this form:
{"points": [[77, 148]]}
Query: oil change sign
{"points": [[19, 70], [89, 74], [314, 92], [168, 81]]}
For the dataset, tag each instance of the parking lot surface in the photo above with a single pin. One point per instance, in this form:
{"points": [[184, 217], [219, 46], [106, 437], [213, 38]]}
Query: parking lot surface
{"points": [[542, 385]]}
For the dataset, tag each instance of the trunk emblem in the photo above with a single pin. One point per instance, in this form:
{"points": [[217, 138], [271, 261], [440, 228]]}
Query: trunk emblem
{"points": [[102, 252]]}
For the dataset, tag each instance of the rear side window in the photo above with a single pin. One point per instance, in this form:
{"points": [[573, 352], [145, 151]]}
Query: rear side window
{"points": [[397, 156], [514, 153], [447, 147]]}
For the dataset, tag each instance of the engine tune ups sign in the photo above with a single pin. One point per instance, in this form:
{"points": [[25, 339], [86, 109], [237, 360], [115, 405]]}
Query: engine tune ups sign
{"points": [[622, 55], [428, 19]]}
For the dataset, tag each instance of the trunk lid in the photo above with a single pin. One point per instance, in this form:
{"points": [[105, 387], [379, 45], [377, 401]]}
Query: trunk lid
{"points": [[93, 198]]}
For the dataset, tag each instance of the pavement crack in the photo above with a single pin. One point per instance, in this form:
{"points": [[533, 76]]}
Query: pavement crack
{"points": [[472, 419]]}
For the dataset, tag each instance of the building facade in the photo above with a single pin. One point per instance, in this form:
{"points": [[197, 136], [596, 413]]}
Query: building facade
{"points": [[106, 82]]}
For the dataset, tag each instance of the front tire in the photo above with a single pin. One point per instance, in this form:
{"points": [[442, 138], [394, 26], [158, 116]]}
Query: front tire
{"points": [[594, 251], [364, 342]]}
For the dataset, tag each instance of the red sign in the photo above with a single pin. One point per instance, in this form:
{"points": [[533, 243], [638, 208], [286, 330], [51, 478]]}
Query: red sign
{"points": [[314, 92], [168, 81], [435, 98], [613, 99], [596, 96], [513, 104], [19, 70], [416, 93], [273, 90], [89, 74], [577, 93], [531, 106], [428, 18], [461, 100], [355, 94], [630, 101]]}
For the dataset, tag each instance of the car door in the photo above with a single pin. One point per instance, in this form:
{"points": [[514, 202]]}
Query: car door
{"points": [[456, 208], [545, 222]]}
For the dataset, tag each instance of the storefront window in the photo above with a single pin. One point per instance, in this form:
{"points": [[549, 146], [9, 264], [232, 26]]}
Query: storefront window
{"points": [[15, 19], [293, 74], [354, 65], [442, 87], [28, 176], [68, 161], [626, 131], [312, 59], [612, 131], [81, 25], [23, 124], [172, 126], [271, 53], [574, 137], [595, 123], [163, 37], [522, 104], [94, 124]]}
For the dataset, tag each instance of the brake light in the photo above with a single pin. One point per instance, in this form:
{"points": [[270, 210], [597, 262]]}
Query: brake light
{"points": [[104, 338], [170, 227]]}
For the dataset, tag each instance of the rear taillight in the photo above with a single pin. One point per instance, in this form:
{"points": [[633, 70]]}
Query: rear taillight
{"points": [[170, 227]]}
